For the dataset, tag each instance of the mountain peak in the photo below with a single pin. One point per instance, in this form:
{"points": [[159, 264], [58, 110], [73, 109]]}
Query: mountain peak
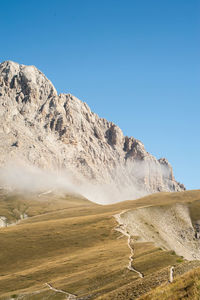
{"points": [[60, 132], [25, 78]]}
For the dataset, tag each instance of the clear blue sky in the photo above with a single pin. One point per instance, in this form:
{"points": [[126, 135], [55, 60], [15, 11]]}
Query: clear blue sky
{"points": [[135, 62]]}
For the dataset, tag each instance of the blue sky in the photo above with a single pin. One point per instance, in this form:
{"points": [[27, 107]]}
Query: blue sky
{"points": [[135, 62]]}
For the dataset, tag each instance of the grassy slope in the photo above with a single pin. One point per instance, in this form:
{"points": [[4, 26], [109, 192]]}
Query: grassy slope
{"points": [[12, 205], [185, 287], [71, 243]]}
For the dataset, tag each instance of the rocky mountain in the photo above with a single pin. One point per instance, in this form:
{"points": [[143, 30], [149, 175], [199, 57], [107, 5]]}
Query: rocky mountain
{"points": [[59, 132]]}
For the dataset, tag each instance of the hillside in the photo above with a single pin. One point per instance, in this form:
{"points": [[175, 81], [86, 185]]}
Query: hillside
{"points": [[77, 252], [185, 287]]}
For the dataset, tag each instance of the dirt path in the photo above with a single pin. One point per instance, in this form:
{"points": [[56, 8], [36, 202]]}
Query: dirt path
{"points": [[122, 228], [69, 296], [45, 193]]}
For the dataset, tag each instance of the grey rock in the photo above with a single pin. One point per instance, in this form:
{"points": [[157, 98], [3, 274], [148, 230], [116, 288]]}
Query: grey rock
{"points": [[56, 132]]}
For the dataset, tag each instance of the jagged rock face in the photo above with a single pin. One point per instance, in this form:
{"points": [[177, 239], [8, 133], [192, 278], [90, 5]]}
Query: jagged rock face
{"points": [[60, 132]]}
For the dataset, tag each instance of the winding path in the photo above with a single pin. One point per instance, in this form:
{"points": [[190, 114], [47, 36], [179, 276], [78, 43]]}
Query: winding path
{"points": [[69, 296], [45, 193], [122, 228]]}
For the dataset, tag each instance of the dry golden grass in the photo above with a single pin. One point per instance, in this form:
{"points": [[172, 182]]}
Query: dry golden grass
{"points": [[71, 243], [63, 251], [185, 287], [12, 205]]}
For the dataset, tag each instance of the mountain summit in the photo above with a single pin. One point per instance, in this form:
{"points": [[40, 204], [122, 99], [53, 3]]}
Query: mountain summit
{"points": [[59, 132]]}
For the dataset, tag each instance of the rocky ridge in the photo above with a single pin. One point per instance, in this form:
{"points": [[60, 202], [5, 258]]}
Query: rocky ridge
{"points": [[58, 132]]}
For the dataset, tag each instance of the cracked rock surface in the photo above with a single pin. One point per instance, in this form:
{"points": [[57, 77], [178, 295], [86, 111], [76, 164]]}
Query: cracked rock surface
{"points": [[53, 132]]}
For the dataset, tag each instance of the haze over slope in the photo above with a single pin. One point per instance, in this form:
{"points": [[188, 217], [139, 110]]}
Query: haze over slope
{"points": [[60, 133]]}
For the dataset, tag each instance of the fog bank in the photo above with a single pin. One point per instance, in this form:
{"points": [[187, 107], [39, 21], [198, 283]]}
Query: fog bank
{"points": [[128, 181]]}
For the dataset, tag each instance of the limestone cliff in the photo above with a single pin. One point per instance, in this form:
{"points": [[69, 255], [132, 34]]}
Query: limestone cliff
{"points": [[53, 131]]}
